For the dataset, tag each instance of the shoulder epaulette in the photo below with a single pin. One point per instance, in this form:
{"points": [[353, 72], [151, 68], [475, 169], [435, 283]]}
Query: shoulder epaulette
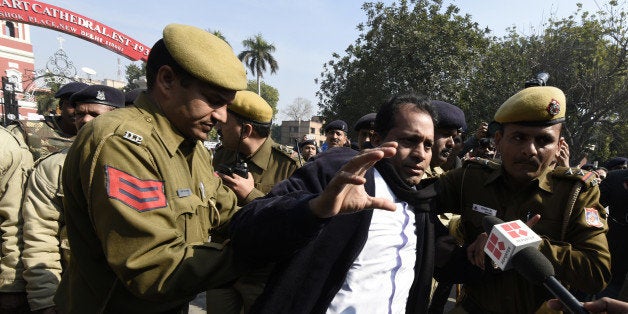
{"points": [[134, 131], [284, 150], [587, 178], [484, 162]]}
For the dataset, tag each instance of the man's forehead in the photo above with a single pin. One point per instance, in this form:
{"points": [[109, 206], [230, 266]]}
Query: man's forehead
{"points": [[334, 131], [532, 130], [412, 131]]}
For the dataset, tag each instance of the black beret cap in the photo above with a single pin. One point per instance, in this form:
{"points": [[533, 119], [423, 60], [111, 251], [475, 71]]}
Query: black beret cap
{"points": [[616, 162], [589, 167], [366, 122], [69, 89], [449, 116], [130, 96], [307, 142], [337, 125], [99, 94]]}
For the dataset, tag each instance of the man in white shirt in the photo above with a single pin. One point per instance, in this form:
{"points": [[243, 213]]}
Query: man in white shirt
{"points": [[373, 260]]}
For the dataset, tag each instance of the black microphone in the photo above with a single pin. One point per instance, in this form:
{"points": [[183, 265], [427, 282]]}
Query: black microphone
{"points": [[536, 268], [488, 222]]}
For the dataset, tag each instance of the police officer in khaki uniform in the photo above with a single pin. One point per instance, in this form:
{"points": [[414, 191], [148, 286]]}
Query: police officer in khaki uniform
{"points": [[15, 162], [365, 127], [46, 248], [523, 186], [451, 122], [308, 149], [55, 132], [246, 139], [140, 197]]}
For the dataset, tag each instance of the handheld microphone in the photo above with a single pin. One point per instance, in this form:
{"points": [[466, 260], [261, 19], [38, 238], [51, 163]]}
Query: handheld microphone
{"points": [[536, 268], [505, 239]]}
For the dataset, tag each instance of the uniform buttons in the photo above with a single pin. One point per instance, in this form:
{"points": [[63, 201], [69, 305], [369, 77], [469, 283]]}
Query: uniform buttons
{"points": [[148, 119]]}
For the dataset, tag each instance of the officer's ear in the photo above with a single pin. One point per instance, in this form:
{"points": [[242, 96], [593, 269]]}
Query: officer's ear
{"points": [[247, 130], [165, 79]]}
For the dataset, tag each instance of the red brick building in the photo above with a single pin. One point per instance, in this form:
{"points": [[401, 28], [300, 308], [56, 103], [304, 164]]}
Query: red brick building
{"points": [[17, 63]]}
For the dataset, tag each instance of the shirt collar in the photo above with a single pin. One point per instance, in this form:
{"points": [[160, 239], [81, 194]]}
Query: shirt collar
{"points": [[261, 157], [169, 136]]}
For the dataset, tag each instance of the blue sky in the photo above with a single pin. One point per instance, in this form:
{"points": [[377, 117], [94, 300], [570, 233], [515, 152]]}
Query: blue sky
{"points": [[306, 33]]}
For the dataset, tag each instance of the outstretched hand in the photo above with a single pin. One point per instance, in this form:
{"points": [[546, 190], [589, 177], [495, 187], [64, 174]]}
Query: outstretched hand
{"points": [[345, 193]]}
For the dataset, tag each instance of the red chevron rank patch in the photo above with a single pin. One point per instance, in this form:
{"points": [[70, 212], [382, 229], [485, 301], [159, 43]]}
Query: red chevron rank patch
{"points": [[141, 195]]}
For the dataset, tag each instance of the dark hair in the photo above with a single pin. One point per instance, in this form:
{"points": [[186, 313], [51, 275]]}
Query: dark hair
{"points": [[160, 56], [385, 119], [262, 129]]}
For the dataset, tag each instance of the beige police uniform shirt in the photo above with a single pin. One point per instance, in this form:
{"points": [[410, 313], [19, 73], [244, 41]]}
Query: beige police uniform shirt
{"points": [[15, 163], [270, 164], [140, 201], [46, 247], [581, 259]]}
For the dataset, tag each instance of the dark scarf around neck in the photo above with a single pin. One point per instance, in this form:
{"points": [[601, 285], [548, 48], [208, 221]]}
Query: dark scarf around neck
{"points": [[418, 197]]}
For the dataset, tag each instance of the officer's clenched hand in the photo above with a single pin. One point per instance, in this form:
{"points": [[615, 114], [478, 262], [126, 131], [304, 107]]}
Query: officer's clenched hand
{"points": [[240, 186], [475, 251], [345, 192]]}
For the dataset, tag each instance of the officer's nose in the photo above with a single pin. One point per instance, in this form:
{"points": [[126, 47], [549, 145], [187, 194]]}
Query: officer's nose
{"points": [[450, 142], [220, 114], [529, 149]]}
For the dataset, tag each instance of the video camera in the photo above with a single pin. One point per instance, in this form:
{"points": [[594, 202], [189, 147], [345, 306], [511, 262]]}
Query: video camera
{"points": [[540, 80], [240, 168]]}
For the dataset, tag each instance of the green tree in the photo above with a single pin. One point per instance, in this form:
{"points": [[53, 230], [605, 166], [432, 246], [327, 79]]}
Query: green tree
{"points": [[586, 56], [46, 102], [133, 74], [415, 46], [218, 34], [269, 93], [257, 56]]}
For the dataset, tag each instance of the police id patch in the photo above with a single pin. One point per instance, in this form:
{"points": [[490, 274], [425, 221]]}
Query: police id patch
{"points": [[141, 195], [593, 218], [484, 210]]}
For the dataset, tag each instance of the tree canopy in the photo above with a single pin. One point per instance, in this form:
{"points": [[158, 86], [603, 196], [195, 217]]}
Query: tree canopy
{"points": [[269, 93], [133, 73], [431, 49]]}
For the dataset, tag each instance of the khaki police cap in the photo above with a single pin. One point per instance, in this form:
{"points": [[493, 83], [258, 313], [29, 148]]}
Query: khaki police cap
{"points": [[252, 107], [539, 105], [205, 56]]}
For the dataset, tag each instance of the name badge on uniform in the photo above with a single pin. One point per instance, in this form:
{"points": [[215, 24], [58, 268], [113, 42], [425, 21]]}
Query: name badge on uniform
{"points": [[184, 192], [484, 210]]}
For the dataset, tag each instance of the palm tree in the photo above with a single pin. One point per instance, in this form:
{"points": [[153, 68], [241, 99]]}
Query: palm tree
{"points": [[218, 34], [257, 55]]}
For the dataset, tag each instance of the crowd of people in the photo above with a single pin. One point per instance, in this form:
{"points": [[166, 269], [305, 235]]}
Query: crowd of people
{"points": [[120, 208]]}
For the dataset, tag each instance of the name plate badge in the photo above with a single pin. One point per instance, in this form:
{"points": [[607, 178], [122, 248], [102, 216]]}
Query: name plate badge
{"points": [[484, 210]]}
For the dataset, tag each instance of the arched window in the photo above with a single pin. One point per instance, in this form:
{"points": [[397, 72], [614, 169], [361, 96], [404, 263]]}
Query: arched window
{"points": [[15, 77], [9, 29]]}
